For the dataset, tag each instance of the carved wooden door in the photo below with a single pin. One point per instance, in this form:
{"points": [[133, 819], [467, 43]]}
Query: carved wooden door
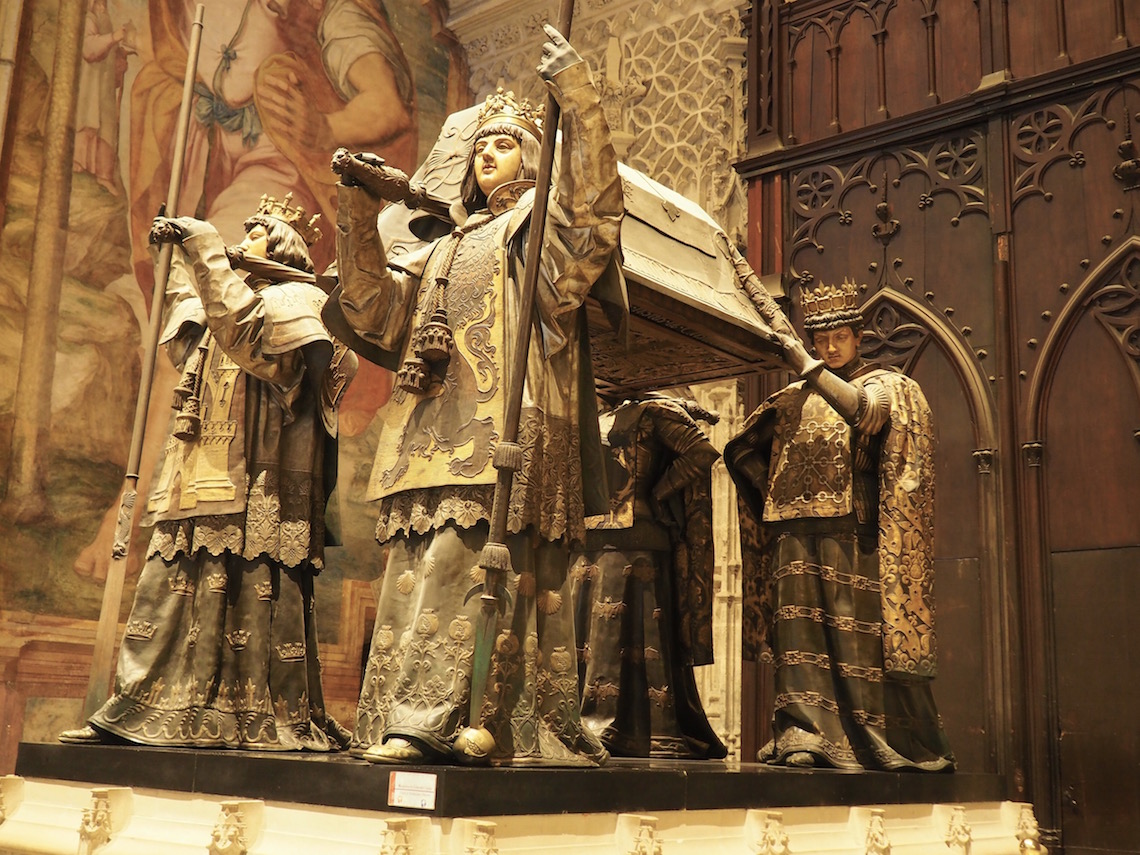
{"points": [[972, 163]]}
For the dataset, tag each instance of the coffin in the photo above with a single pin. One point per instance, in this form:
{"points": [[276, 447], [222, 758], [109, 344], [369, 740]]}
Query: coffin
{"points": [[690, 320]]}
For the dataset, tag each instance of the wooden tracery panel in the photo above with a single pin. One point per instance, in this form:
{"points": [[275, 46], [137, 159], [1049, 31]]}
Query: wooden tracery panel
{"points": [[996, 226], [1076, 269], [851, 65], [1091, 367], [1050, 34]]}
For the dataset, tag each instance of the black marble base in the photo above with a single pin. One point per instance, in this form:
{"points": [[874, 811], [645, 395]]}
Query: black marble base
{"points": [[626, 786]]}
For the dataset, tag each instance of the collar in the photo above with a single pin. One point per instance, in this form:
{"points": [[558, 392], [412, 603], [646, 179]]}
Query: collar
{"points": [[854, 368], [504, 197], [264, 272]]}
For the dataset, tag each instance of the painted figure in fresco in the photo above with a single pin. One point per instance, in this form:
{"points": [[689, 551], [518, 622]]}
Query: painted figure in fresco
{"points": [[105, 51], [836, 487], [220, 648], [281, 86], [433, 477], [643, 593]]}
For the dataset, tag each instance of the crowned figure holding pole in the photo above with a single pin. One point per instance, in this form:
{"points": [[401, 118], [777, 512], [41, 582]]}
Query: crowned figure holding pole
{"points": [[473, 660], [835, 475], [220, 649]]}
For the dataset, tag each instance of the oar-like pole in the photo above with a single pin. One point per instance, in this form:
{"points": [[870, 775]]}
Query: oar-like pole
{"points": [[102, 665], [496, 558]]}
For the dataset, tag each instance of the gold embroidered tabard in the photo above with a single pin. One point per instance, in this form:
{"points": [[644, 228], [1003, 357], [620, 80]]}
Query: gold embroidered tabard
{"points": [[447, 435], [811, 463], [207, 474]]}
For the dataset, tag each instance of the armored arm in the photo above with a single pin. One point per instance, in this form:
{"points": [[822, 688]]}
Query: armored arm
{"points": [[865, 407], [694, 453], [376, 301], [586, 207]]}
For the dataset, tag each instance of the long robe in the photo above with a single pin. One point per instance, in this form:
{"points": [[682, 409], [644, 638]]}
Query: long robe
{"points": [[433, 479], [220, 648], [97, 102], [838, 568], [643, 593]]}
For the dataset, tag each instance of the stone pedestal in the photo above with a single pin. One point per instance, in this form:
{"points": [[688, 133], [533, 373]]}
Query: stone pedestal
{"points": [[113, 799]]}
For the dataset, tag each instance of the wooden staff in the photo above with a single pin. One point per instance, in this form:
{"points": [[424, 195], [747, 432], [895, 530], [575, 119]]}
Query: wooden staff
{"points": [[102, 664], [495, 559]]}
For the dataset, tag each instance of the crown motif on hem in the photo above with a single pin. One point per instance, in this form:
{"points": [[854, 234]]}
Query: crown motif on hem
{"points": [[292, 216], [501, 107]]}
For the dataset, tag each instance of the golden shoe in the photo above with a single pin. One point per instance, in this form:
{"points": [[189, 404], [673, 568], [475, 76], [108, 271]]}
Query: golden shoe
{"points": [[86, 735], [396, 750]]}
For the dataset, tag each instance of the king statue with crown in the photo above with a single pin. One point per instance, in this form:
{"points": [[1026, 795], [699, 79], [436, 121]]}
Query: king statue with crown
{"points": [[220, 649], [835, 480], [449, 313]]}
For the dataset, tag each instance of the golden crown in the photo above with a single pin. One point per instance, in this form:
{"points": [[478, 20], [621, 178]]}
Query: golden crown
{"points": [[292, 215], [830, 298], [502, 108], [830, 306]]}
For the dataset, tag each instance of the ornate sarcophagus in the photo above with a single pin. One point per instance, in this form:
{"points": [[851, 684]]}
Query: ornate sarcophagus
{"points": [[690, 319]]}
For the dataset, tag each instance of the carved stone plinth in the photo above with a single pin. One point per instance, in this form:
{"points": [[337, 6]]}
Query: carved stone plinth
{"points": [[47, 820]]}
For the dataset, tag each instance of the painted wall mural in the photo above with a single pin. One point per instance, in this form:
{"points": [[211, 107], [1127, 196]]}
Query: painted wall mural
{"points": [[280, 84]]}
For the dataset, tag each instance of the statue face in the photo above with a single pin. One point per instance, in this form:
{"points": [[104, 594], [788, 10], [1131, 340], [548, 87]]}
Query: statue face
{"points": [[498, 159], [256, 243], [837, 347]]}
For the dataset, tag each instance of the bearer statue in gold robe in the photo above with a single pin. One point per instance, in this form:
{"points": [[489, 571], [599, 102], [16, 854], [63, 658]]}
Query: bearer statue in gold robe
{"points": [[220, 649], [449, 315], [836, 487]]}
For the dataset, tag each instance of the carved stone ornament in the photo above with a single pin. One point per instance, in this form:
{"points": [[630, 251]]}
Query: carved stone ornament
{"points": [[396, 840], [959, 835], [237, 828], [1028, 832], [482, 839], [409, 836], [11, 796], [108, 813], [773, 839], [645, 840], [877, 841], [95, 827]]}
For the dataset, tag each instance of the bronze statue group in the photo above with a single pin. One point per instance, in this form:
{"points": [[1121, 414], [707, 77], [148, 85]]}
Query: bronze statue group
{"points": [[602, 605]]}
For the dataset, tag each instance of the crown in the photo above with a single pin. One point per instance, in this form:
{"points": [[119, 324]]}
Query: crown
{"points": [[502, 108], [831, 306], [292, 216]]}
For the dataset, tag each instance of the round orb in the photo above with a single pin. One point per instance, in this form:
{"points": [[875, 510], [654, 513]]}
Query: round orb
{"points": [[473, 746]]}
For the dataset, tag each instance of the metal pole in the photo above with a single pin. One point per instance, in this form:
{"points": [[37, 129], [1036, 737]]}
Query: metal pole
{"points": [[102, 665], [495, 559]]}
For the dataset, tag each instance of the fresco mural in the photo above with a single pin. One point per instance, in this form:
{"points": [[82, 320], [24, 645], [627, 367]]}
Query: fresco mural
{"points": [[281, 84]]}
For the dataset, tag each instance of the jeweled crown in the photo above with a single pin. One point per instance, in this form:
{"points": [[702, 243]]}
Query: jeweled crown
{"points": [[292, 215], [501, 107], [831, 306]]}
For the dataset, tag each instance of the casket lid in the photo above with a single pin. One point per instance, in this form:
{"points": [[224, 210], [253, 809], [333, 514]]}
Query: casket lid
{"points": [[690, 319]]}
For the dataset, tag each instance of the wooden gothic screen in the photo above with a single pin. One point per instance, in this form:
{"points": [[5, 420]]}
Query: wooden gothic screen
{"points": [[976, 165]]}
